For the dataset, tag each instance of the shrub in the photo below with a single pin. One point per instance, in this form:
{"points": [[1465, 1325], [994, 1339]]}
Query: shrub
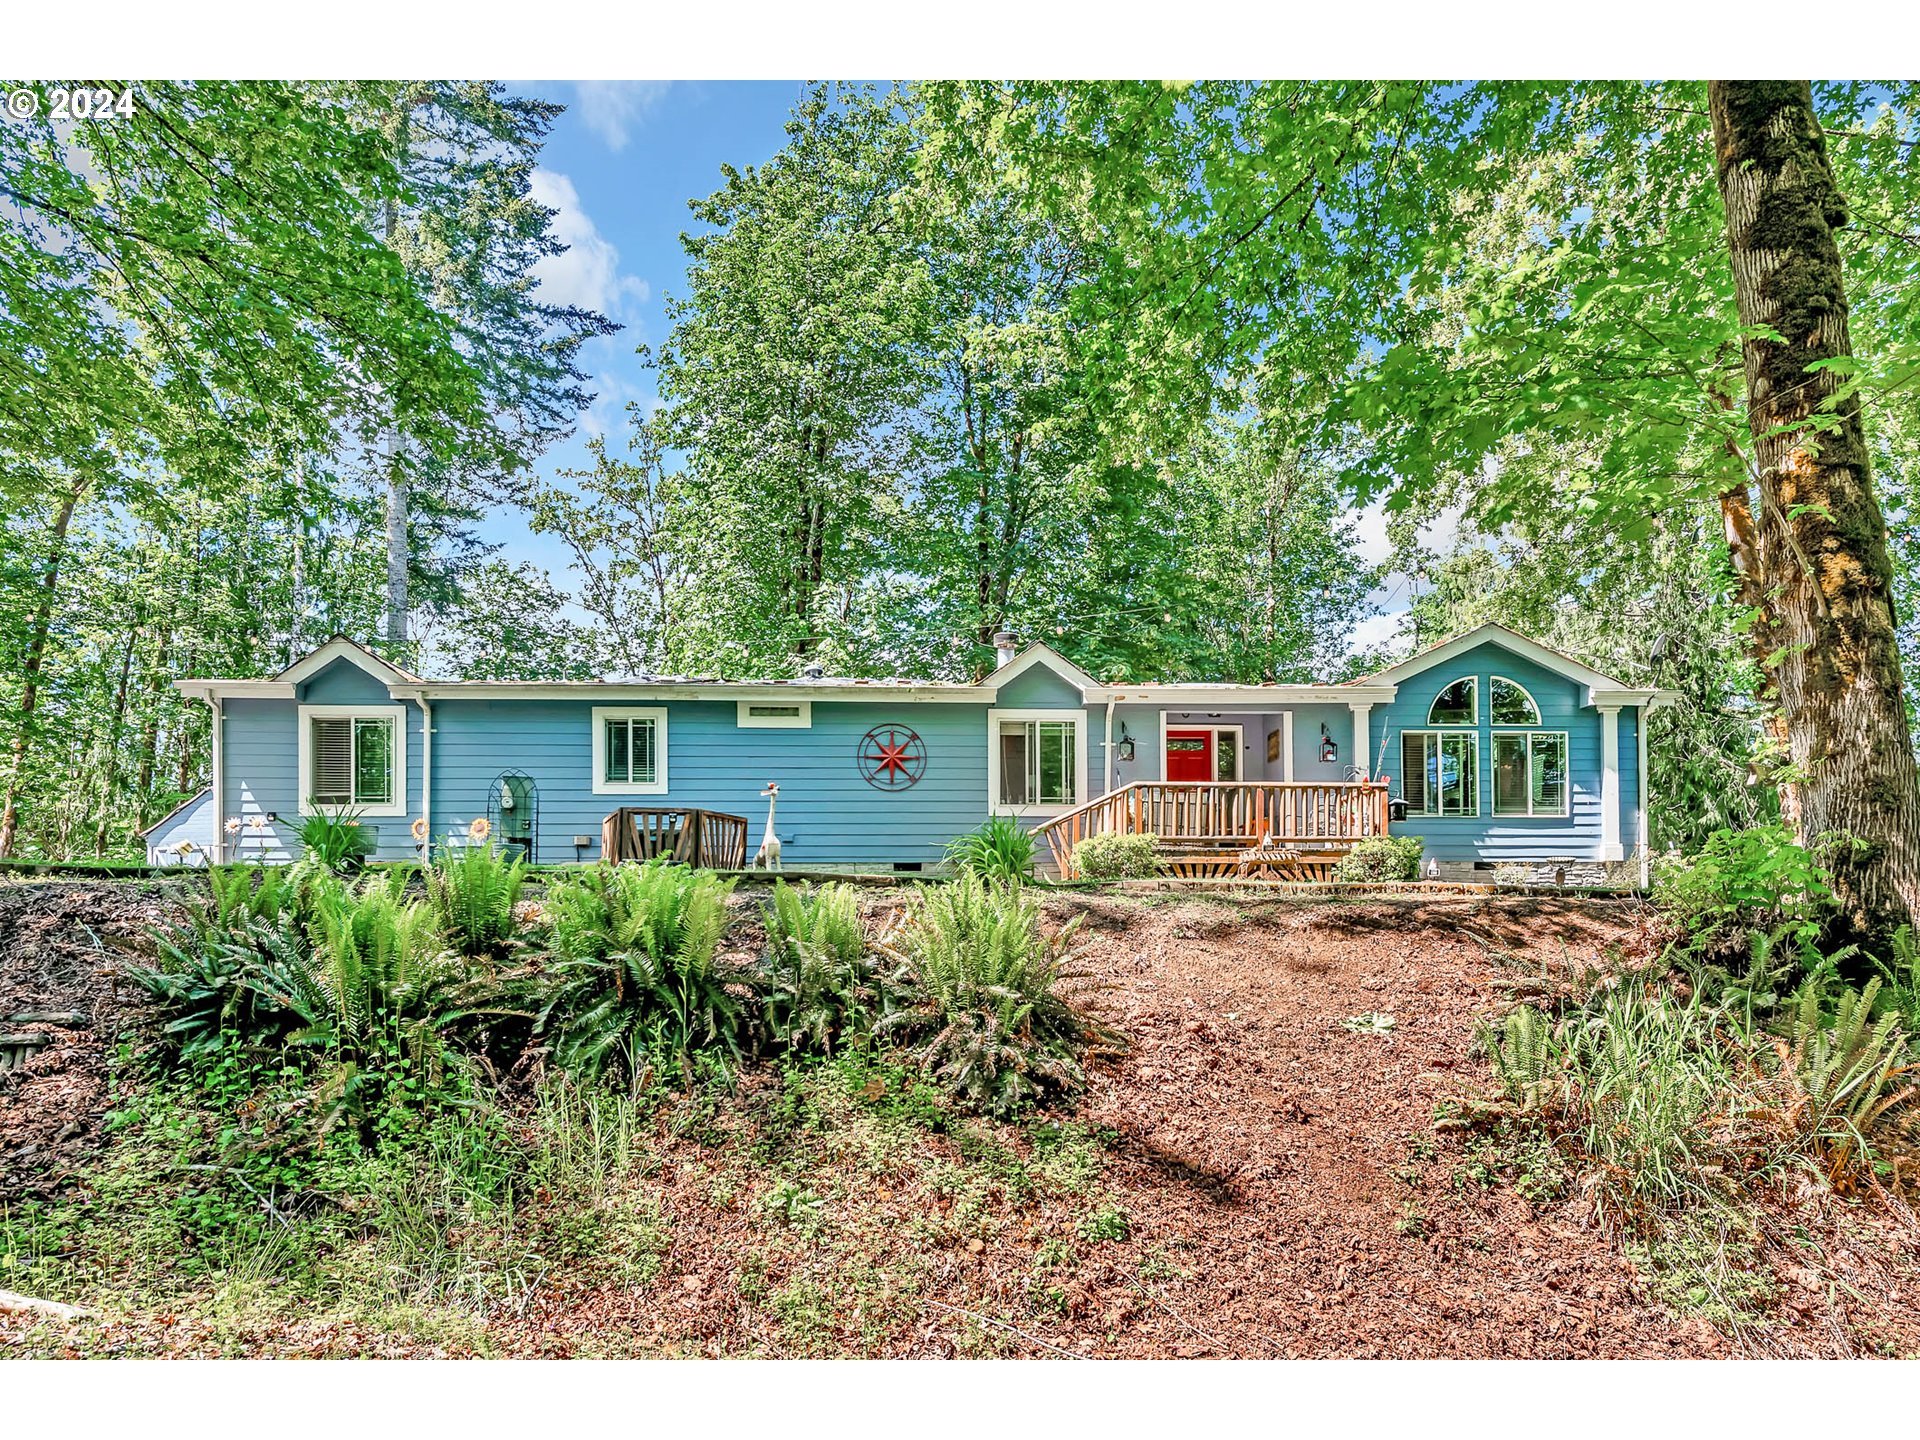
{"points": [[474, 894], [987, 1023], [1743, 883], [335, 839], [637, 968], [1114, 856], [1385, 857], [1000, 851], [822, 984]]}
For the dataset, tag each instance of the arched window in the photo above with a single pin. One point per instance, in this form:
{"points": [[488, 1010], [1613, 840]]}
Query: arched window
{"points": [[1511, 703], [1455, 704]]}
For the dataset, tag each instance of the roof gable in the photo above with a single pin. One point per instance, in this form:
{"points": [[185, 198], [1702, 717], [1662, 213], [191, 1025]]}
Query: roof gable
{"points": [[1512, 640], [1040, 653], [341, 648]]}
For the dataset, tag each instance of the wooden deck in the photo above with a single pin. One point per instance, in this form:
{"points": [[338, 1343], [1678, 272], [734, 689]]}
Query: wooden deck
{"points": [[1204, 826]]}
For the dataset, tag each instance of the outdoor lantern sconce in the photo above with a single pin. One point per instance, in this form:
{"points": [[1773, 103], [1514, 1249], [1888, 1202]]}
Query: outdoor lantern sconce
{"points": [[1125, 748], [1329, 747]]}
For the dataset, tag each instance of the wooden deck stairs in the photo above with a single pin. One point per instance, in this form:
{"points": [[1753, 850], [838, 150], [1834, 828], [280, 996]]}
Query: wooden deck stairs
{"points": [[1287, 830]]}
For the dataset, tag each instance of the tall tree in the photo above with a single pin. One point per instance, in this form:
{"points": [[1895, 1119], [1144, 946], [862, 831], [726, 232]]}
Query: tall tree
{"points": [[1813, 561], [470, 232]]}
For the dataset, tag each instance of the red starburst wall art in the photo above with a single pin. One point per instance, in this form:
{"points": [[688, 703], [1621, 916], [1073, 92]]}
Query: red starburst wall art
{"points": [[892, 757]]}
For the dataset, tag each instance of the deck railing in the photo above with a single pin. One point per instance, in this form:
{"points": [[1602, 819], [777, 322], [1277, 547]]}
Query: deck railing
{"points": [[1224, 815]]}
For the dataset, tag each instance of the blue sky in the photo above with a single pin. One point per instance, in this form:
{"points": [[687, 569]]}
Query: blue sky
{"points": [[619, 168]]}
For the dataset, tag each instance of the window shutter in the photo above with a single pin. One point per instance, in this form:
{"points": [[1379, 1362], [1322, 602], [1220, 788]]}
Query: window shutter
{"points": [[332, 757], [1413, 771]]}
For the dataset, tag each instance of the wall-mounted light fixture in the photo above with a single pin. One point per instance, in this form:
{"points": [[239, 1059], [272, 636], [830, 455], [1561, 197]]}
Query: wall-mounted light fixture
{"points": [[1125, 748], [1329, 747]]}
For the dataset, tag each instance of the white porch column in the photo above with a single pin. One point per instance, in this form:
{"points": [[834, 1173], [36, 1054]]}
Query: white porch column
{"points": [[1362, 738], [1610, 783], [1286, 745]]}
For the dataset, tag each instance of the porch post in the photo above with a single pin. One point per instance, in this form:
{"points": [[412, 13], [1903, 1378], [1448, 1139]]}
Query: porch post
{"points": [[1361, 736], [1610, 783], [1286, 746]]}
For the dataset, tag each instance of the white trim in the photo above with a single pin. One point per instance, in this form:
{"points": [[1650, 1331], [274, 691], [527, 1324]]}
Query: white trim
{"points": [[1075, 717], [1565, 812], [218, 721], [1286, 746], [615, 692], [604, 786], [1644, 838], [1265, 698], [1513, 640], [1610, 783], [1362, 737], [1441, 732], [743, 720], [338, 648], [1511, 724], [396, 713], [426, 776], [1040, 653]]}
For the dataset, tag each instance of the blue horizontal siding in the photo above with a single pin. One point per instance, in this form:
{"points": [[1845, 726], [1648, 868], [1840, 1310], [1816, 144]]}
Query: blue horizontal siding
{"points": [[261, 761], [1505, 837], [827, 812]]}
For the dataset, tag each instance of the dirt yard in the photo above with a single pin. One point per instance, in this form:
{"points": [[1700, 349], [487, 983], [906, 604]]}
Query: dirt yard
{"points": [[1259, 1176]]}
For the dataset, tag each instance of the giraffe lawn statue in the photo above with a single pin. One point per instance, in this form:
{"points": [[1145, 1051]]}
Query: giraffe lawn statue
{"points": [[767, 857]]}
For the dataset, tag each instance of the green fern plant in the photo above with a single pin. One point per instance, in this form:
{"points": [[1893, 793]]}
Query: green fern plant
{"points": [[254, 892], [638, 969], [1847, 1076], [1521, 1052], [231, 980], [999, 851], [821, 984], [378, 966], [473, 895], [988, 1023]]}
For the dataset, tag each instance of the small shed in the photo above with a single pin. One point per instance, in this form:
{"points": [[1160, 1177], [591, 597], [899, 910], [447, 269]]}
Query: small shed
{"points": [[185, 835]]}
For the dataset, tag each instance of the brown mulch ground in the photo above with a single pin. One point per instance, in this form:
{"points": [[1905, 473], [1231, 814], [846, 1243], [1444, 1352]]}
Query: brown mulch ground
{"points": [[1283, 1189], [50, 962]]}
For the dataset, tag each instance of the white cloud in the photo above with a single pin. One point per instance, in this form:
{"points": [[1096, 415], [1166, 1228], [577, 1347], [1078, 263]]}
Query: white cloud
{"points": [[613, 109], [1380, 630], [587, 273]]}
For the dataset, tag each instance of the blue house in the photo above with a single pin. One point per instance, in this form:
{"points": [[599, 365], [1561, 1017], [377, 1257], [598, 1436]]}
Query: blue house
{"points": [[1489, 746]]}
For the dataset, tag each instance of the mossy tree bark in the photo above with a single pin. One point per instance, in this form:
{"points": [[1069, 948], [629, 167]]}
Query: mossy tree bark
{"points": [[1808, 537]]}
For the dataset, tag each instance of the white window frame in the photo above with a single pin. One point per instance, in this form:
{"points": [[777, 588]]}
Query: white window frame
{"points": [[744, 719], [1534, 723], [1473, 683], [1442, 732], [604, 713], [1501, 732], [1075, 718], [397, 714]]}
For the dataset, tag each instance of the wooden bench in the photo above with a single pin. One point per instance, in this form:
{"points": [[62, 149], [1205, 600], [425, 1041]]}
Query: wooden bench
{"points": [[710, 839]]}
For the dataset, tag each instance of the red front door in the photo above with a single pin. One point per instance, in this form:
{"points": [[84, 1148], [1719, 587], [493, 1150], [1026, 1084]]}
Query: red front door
{"points": [[1189, 754]]}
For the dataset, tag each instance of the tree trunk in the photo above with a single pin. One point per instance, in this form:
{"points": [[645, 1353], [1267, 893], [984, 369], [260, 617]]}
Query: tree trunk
{"points": [[399, 549], [1813, 556], [111, 777], [30, 670]]}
